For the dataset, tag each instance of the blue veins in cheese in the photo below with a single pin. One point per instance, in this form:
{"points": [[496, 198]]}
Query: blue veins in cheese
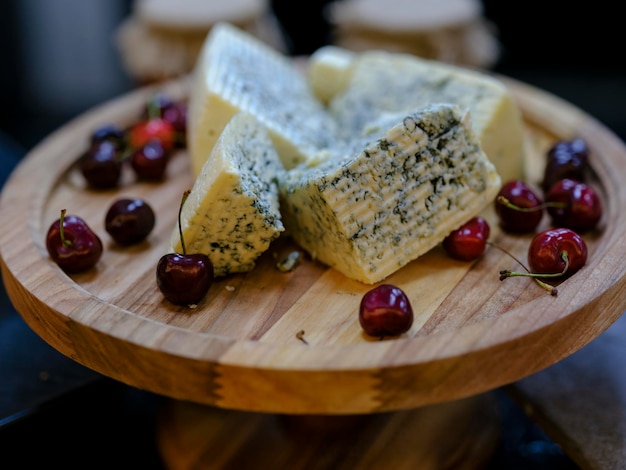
{"points": [[416, 177], [359, 87], [235, 72], [402, 154], [232, 211]]}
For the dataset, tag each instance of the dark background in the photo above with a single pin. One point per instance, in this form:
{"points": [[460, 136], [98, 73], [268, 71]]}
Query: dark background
{"points": [[60, 60], [57, 60]]}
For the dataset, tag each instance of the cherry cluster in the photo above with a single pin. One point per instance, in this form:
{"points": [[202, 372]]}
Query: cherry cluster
{"points": [[76, 247], [573, 205], [183, 279], [146, 146]]}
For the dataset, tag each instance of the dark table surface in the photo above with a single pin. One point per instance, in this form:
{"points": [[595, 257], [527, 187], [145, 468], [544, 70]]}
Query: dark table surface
{"points": [[53, 410]]}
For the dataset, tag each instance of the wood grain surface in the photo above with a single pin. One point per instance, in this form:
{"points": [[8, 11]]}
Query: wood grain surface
{"points": [[459, 434], [240, 349]]}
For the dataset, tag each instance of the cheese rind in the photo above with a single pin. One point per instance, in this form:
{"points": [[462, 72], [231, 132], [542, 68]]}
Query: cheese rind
{"points": [[378, 82], [237, 72], [412, 183], [232, 212]]}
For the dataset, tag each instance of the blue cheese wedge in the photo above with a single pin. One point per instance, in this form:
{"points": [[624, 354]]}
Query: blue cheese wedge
{"points": [[413, 182], [237, 72], [232, 212], [359, 87]]}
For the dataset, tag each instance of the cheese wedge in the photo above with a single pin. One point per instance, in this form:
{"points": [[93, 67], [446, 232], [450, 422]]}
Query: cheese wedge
{"points": [[232, 212], [359, 87], [416, 178], [238, 72]]}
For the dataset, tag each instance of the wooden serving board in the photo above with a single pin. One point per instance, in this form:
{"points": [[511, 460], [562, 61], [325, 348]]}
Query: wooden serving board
{"points": [[240, 348]]}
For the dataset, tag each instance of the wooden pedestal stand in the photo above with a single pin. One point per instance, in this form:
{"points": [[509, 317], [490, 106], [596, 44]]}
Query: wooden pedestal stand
{"points": [[290, 343], [460, 435]]}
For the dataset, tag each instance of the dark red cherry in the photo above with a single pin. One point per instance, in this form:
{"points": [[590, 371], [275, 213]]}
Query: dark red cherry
{"points": [[565, 159], [385, 310], [553, 253], [574, 204], [469, 241], [129, 221], [184, 279], [110, 133], [155, 105], [557, 251], [176, 113], [101, 165], [72, 244], [518, 207], [149, 161], [163, 106]]}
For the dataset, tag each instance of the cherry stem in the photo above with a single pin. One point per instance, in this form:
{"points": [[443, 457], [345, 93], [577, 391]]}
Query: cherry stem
{"points": [[564, 257], [180, 228], [64, 240], [508, 273], [504, 250], [505, 202], [300, 336], [153, 109]]}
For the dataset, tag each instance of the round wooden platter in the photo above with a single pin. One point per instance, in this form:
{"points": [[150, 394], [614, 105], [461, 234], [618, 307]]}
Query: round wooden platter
{"points": [[290, 342]]}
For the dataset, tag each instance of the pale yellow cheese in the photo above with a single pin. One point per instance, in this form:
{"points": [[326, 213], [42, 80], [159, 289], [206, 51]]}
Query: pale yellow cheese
{"points": [[238, 72], [414, 179], [232, 212], [368, 183], [329, 71], [367, 84]]}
